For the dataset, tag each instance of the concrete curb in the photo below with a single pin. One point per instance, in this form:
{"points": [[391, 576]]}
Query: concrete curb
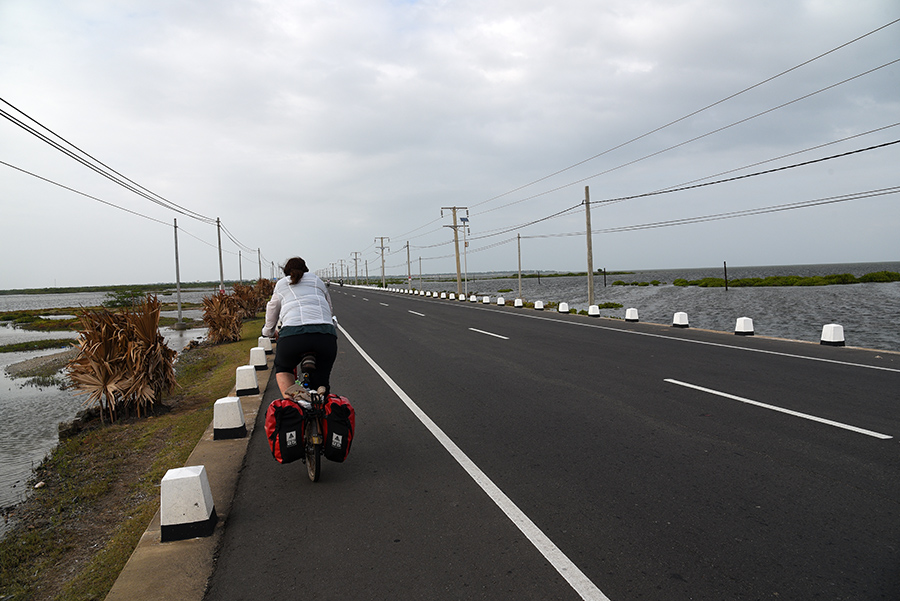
{"points": [[181, 569]]}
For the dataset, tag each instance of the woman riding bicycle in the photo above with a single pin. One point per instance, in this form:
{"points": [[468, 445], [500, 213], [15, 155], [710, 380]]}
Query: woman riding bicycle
{"points": [[302, 303]]}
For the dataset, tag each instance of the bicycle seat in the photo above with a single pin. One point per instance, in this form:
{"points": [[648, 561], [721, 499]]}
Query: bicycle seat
{"points": [[308, 363]]}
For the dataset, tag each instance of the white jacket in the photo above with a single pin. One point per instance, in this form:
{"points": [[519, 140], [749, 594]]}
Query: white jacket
{"points": [[305, 303]]}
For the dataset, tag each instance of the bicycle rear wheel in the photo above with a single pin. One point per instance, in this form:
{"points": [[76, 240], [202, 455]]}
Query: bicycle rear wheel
{"points": [[313, 446]]}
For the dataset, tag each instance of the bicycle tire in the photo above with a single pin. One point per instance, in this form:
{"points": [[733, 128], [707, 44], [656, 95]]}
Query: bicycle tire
{"points": [[313, 451]]}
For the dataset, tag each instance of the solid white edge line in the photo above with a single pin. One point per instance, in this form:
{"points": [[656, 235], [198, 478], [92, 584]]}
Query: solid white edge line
{"points": [[783, 410], [574, 576], [417, 313], [489, 333]]}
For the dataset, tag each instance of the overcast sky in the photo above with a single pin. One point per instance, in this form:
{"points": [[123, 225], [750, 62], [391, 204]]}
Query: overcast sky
{"points": [[311, 128]]}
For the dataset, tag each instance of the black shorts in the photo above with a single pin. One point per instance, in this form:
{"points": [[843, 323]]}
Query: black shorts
{"points": [[291, 349]]}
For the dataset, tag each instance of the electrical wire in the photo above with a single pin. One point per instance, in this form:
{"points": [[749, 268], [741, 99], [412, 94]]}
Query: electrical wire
{"points": [[694, 113], [109, 204], [694, 139], [105, 171], [732, 214], [748, 175]]}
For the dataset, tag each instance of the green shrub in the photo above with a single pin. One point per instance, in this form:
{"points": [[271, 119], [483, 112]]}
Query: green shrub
{"points": [[680, 282], [881, 276]]}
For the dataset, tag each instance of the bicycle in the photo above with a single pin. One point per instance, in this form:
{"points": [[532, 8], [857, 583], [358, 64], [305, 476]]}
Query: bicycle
{"points": [[313, 403]]}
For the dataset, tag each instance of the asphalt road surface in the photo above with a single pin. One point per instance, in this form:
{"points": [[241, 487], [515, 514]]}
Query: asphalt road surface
{"points": [[506, 453]]}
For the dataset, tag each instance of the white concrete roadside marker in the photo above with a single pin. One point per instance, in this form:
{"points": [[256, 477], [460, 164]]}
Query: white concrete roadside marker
{"points": [[594, 311], [539, 305], [422, 293], [245, 381], [462, 298], [186, 507], [444, 295], [832, 335], [473, 298], [680, 320], [631, 315], [500, 301], [228, 419], [563, 308], [744, 326], [266, 343], [258, 358], [518, 303], [486, 300], [452, 296]]}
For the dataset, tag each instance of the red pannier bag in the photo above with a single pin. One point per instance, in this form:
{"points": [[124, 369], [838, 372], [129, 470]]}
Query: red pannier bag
{"points": [[339, 424], [284, 429]]}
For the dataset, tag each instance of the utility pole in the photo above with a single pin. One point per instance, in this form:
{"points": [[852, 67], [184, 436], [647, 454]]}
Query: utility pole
{"points": [[519, 242], [455, 245], [259, 260], [355, 256], [240, 268], [367, 272], [465, 226], [221, 267], [382, 249], [420, 274], [408, 272], [179, 325], [590, 250], [342, 270]]}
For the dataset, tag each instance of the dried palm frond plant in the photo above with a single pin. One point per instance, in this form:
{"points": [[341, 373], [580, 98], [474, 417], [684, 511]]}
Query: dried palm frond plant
{"points": [[222, 316], [124, 365], [263, 290], [245, 298]]}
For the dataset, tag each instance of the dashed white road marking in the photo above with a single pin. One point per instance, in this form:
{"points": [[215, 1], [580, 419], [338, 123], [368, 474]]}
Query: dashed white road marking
{"points": [[489, 334], [783, 410]]}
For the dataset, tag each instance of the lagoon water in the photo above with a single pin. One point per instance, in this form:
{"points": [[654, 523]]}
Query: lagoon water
{"points": [[30, 414], [869, 313]]}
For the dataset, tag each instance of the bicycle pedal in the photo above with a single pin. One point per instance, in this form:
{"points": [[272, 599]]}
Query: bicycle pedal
{"points": [[317, 440]]}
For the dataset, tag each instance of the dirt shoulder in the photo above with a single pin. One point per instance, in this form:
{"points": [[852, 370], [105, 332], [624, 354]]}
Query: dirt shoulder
{"points": [[45, 365]]}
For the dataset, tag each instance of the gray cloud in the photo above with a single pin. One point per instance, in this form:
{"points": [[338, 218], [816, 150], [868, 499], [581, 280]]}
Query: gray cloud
{"points": [[311, 128]]}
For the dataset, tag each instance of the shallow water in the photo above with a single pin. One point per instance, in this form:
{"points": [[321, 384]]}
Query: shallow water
{"points": [[869, 313], [30, 414]]}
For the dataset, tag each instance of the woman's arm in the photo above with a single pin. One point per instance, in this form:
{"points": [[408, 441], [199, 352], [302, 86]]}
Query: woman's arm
{"points": [[273, 312]]}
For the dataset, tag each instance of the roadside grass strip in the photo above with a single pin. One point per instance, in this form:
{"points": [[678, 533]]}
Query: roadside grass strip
{"points": [[814, 418], [582, 585]]}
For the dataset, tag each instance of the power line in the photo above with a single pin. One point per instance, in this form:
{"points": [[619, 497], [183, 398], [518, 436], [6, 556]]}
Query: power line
{"points": [[733, 214], [694, 139], [748, 175], [105, 171], [107, 203], [694, 113]]}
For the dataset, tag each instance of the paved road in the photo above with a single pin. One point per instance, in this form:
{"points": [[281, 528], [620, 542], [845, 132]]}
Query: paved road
{"points": [[594, 466]]}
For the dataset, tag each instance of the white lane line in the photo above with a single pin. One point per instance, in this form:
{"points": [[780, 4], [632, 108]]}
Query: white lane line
{"points": [[365, 299], [384, 304], [568, 570], [417, 313], [489, 334], [783, 410]]}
